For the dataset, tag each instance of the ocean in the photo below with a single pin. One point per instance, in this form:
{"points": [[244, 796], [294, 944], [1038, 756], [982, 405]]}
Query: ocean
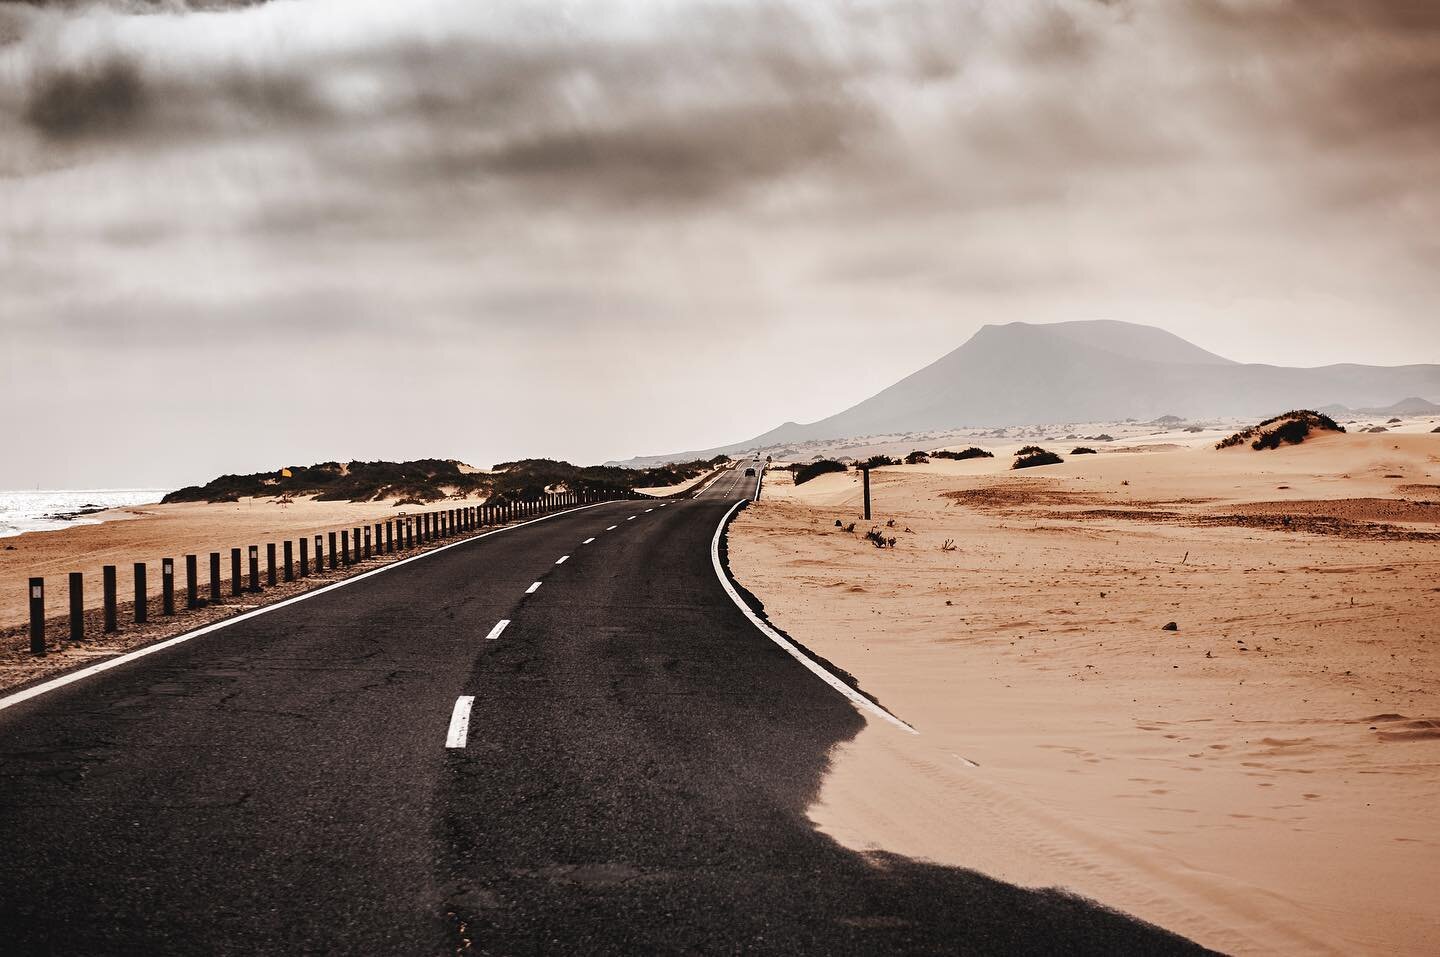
{"points": [[45, 510]]}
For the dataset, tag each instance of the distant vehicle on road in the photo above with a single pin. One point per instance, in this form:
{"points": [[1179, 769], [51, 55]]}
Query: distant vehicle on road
{"points": [[749, 472]]}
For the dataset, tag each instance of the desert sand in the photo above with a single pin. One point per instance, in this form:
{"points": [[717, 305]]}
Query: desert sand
{"points": [[1261, 779]]}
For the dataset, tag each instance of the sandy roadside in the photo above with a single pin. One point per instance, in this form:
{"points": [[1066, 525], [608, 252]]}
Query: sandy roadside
{"points": [[1261, 779]]}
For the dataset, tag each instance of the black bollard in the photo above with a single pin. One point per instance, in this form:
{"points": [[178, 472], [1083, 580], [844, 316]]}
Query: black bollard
{"points": [[289, 560], [409, 533], [319, 554], [215, 578], [236, 586], [142, 610], [389, 536], [270, 564], [167, 586], [345, 546], [77, 606], [254, 568], [367, 541], [334, 556], [107, 578], [37, 616], [304, 556], [192, 582]]}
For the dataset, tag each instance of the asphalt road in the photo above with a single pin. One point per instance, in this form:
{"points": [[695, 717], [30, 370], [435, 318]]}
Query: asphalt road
{"points": [[632, 778]]}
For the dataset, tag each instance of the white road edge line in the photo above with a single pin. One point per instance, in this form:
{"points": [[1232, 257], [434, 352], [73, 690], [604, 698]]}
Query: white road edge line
{"points": [[861, 703], [533, 589], [561, 560], [587, 541], [460, 722], [36, 691], [500, 626]]}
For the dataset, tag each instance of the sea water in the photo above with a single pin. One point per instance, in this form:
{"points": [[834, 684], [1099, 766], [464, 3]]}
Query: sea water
{"points": [[44, 510]]}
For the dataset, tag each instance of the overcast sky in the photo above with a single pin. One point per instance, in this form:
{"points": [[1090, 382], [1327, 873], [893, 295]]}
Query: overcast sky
{"points": [[297, 231]]}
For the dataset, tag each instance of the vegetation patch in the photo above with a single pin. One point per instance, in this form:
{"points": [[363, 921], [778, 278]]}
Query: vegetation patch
{"points": [[1291, 428], [1083, 450], [805, 473], [431, 480], [1032, 455], [973, 452]]}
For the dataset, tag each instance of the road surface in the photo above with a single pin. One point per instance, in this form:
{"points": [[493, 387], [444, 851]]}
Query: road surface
{"points": [[622, 767]]}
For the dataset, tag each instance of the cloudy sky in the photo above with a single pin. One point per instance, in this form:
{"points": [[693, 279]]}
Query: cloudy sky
{"points": [[247, 236]]}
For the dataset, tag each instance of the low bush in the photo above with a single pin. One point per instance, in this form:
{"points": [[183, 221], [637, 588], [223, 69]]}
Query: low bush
{"points": [[1033, 455], [805, 473], [1293, 427], [916, 458], [878, 540], [972, 452], [876, 461], [1083, 450]]}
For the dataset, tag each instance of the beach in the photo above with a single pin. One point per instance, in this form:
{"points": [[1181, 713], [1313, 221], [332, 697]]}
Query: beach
{"points": [[1261, 778]]}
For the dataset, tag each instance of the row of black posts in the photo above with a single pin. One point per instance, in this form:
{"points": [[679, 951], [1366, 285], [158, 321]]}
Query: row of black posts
{"points": [[345, 547]]}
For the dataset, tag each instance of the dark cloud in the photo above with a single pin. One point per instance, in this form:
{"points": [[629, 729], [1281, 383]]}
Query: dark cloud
{"points": [[106, 98]]}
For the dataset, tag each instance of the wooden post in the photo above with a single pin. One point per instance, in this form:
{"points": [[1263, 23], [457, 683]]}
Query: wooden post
{"points": [[270, 564], [304, 557], [77, 606], [334, 558], [141, 594], [289, 560], [865, 472], [167, 586], [235, 584], [192, 582], [107, 578], [367, 541], [37, 616], [254, 568], [215, 578], [345, 546], [389, 536]]}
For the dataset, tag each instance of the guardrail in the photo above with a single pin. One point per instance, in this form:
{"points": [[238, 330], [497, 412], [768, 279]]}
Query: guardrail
{"points": [[356, 544]]}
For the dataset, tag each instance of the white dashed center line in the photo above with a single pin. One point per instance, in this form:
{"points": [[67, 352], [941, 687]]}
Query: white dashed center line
{"points": [[587, 541], [533, 589], [459, 722], [561, 559], [631, 518], [499, 627], [612, 528], [649, 510]]}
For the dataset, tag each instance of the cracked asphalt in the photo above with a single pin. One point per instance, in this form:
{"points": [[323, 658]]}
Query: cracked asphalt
{"points": [[638, 764]]}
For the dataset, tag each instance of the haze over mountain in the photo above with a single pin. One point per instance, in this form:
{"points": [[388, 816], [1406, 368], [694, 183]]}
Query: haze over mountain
{"points": [[1022, 374]]}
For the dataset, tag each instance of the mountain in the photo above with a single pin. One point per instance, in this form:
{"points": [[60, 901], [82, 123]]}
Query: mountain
{"points": [[1098, 371], [1413, 405]]}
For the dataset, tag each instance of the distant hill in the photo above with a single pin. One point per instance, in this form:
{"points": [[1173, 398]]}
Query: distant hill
{"points": [[1409, 406], [1098, 371], [430, 480]]}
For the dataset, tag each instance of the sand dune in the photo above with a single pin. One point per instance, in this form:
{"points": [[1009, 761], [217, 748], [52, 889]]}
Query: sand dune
{"points": [[1261, 779]]}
